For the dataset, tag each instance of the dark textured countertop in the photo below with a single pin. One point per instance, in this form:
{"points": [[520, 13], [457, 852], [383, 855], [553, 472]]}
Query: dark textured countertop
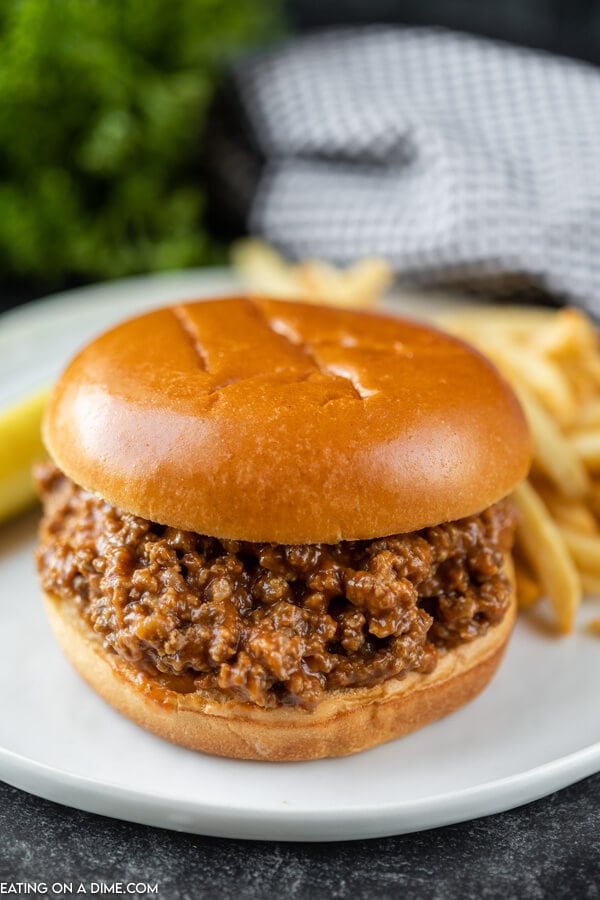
{"points": [[548, 849]]}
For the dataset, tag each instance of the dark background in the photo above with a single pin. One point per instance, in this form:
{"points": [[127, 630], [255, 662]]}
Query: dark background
{"points": [[547, 849], [104, 168], [568, 27]]}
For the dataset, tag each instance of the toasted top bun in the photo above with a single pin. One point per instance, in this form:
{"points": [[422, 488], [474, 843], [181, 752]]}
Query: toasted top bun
{"points": [[260, 420]]}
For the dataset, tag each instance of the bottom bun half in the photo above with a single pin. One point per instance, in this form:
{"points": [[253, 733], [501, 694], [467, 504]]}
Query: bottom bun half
{"points": [[346, 721]]}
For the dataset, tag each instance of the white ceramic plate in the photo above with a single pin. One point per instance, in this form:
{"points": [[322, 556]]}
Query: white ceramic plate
{"points": [[535, 729]]}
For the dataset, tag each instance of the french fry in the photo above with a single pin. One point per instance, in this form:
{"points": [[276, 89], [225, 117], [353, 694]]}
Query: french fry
{"points": [[594, 626], [360, 285], [552, 360], [544, 547], [529, 590], [542, 377], [587, 446], [582, 385], [589, 415], [572, 514], [263, 270], [594, 499], [592, 366], [584, 548], [590, 584], [514, 322], [568, 333], [554, 455]]}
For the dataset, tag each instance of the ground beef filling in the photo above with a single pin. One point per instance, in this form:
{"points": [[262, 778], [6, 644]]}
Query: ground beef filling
{"points": [[271, 624]]}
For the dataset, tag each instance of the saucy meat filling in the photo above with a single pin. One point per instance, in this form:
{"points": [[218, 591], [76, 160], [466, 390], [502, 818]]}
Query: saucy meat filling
{"points": [[271, 624]]}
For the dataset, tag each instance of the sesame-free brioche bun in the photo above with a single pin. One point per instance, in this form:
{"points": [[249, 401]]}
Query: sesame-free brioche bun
{"points": [[346, 721], [262, 420]]}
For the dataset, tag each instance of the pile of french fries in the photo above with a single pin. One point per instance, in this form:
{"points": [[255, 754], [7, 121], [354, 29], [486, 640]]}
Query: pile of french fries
{"points": [[552, 360], [262, 269]]}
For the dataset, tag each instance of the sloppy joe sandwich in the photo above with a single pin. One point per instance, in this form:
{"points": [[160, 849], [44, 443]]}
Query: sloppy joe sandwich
{"points": [[279, 531]]}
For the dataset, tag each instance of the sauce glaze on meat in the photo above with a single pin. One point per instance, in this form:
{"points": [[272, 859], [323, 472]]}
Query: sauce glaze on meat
{"points": [[270, 624]]}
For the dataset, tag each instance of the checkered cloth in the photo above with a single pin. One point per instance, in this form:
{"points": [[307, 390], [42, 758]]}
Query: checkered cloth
{"points": [[456, 157]]}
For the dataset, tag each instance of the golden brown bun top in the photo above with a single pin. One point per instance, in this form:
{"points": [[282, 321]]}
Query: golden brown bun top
{"points": [[262, 420]]}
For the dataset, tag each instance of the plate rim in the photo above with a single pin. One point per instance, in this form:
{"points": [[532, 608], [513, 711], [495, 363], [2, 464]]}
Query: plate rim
{"points": [[286, 823]]}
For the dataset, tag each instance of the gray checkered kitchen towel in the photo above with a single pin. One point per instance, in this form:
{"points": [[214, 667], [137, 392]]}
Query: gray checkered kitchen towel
{"points": [[455, 157]]}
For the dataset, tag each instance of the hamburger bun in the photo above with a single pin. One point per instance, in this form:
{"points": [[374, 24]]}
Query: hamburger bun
{"points": [[283, 422], [255, 420]]}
